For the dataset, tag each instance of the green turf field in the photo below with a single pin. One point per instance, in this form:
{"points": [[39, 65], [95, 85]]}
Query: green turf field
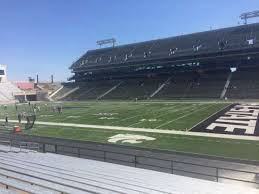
{"points": [[153, 115], [241, 149], [174, 116]]}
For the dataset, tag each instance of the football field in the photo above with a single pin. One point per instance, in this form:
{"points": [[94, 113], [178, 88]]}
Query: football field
{"points": [[73, 123], [153, 115]]}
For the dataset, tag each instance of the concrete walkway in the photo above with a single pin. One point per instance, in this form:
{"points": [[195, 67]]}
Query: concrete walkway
{"points": [[161, 131]]}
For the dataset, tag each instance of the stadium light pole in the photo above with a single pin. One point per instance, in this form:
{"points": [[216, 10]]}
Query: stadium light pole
{"points": [[106, 41], [247, 15]]}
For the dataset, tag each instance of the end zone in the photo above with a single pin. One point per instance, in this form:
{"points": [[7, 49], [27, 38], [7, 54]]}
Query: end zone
{"points": [[236, 119]]}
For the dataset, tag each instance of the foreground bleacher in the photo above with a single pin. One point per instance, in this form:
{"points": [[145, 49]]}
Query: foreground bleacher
{"points": [[31, 172]]}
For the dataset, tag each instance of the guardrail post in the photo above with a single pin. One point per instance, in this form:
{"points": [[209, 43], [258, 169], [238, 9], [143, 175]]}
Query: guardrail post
{"points": [[78, 150], [44, 148], [172, 166], [217, 174], [104, 155]]}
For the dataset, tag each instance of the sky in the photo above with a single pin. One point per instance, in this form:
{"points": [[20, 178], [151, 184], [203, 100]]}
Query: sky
{"points": [[45, 36]]}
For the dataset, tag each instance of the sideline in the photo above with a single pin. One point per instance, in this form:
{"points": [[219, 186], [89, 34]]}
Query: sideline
{"points": [[161, 131]]}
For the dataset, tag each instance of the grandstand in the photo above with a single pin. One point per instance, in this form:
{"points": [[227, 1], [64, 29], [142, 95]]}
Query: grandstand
{"points": [[193, 66], [8, 90], [22, 91]]}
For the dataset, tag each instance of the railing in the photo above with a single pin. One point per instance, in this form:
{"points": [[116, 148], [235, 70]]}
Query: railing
{"points": [[6, 143], [191, 165], [207, 172], [29, 146]]}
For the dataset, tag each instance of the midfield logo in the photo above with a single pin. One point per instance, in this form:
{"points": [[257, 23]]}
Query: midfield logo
{"points": [[129, 138]]}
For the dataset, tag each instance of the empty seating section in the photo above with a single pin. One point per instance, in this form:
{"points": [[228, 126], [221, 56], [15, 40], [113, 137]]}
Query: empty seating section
{"points": [[175, 87], [92, 90], [3, 98], [156, 56], [65, 89], [142, 50], [210, 41], [244, 84], [140, 88], [207, 85], [7, 91]]}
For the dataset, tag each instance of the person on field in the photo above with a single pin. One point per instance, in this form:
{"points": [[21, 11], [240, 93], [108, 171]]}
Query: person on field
{"points": [[54, 108], [6, 119], [34, 110], [19, 117], [46, 107], [59, 109], [28, 119]]}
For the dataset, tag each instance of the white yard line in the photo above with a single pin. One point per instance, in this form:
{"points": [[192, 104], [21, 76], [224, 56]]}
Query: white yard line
{"points": [[185, 115], [140, 114], [161, 131], [209, 117], [180, 109]]}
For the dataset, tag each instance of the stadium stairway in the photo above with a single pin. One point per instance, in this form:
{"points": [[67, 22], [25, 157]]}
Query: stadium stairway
{"points": [[244, 84], [136, 88], [109, 91], [175, 87], [92, 90], [79, 94], [160, 88], [65, 91], [224, 91], [194, 85], [55, 93]]}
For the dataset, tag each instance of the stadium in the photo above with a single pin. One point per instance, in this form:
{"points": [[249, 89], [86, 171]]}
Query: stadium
{"points": [[185, 105]]}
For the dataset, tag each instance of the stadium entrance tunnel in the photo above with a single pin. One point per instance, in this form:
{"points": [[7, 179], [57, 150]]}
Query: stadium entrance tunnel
{"points": [[236, 119]]}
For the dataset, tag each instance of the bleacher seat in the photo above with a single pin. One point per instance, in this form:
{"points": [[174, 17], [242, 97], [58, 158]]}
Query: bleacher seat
{"points": [[244, 84], [8, 91], [57, 174]]}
